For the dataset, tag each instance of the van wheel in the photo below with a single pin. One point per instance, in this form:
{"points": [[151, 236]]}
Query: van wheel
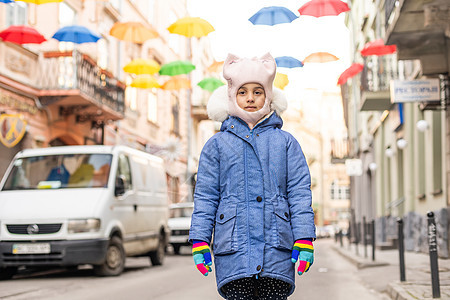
{"points": [[114, 259], [176, 249], [7, 273], [157, 256]]}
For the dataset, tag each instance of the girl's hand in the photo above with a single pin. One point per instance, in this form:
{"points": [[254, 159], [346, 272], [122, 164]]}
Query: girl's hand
{"points": [[303, 251], [202, 257]]}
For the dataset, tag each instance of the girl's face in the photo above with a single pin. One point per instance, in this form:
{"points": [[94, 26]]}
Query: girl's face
{"points": [[251, 97]]}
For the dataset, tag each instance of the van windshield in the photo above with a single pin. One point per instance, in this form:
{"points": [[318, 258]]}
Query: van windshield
{"points": [[59, 171]]}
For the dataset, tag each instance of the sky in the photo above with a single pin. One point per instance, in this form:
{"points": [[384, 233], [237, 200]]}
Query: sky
{"points": [[234, 33]]}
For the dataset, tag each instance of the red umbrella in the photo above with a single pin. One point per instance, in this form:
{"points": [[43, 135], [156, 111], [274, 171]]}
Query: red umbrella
{"points": [[351, 71], [22, 35], [321, 8], [378, 47]]}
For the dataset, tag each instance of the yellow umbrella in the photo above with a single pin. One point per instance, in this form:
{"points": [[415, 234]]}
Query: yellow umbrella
{"points": [[142, 66], [40, 1], [281, 80], [320, 57], [132, 32], [177, 83], [145, 81], [191, 26]]}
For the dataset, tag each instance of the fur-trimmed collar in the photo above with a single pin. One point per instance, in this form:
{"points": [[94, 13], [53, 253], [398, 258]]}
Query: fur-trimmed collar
{"points": [[218, 103]]}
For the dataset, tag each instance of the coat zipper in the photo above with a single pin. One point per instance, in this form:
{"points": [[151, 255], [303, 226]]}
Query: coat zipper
{"points": [[246, 201]]}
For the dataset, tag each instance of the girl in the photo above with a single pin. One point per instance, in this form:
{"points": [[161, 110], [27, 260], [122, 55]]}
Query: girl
{"points": [[252, 190]]}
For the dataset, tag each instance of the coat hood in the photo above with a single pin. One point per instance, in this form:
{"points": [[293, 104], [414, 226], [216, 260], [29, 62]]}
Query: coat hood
{"points": [[218, 103]]}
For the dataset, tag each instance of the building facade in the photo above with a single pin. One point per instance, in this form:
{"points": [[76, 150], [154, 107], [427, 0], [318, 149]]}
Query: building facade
{"points": [[60, 93], [403, 145]]}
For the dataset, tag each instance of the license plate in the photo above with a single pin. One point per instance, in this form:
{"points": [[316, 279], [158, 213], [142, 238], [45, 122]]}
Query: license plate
{"points": [[35, 248]]}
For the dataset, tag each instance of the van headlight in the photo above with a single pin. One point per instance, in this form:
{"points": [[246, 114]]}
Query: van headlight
{"points": [[83, 225]]}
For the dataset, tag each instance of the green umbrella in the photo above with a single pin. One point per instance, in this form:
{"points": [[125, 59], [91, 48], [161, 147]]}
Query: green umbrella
{"points": [[177, 67], [210, 83]]}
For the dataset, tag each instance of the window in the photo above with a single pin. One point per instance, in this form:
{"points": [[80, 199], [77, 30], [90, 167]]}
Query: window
{"points": [[339, 192], [103, 53], [152, 107], [130, 95], [66, 17], [16, 13], [124, 170], [175, 115]]}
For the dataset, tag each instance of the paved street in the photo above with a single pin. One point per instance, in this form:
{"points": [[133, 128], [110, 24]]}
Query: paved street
{"points": [[331, 277]]}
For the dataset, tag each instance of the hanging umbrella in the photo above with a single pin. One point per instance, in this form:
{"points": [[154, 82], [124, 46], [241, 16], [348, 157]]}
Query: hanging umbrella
{"points": [[210, 84], [41, 1], [6, 1], [22, 35], [145, 81], [320, 57], [378, 48], [191, 26], [176, 83], [351, 71], [132, 32], [281, 80], [288, 62], [321, 8], [76, 34], [215, 67], [272, 15], [142, 66], [177, 67]]}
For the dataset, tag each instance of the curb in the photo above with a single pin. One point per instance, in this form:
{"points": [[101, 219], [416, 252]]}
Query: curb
{"points": [[397, 292], [360, 262]]}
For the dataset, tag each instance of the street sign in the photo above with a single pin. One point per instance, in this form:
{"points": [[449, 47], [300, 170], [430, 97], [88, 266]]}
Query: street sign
{"points": [[422, 90], [353, 167]]}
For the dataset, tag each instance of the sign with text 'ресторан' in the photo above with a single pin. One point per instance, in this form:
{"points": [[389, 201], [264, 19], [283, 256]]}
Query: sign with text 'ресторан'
{"points": [[421, 90]]}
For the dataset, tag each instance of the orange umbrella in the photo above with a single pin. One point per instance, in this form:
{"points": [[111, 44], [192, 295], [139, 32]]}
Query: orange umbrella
{"points": [[320, 57], [142, 66], [145, 81], [191, 26], [281, 80], [215, 67], [177, 83], [132, 32]]}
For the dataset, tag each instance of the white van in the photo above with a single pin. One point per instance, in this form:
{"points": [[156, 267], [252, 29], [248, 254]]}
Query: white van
{"points": [[73, 205]]}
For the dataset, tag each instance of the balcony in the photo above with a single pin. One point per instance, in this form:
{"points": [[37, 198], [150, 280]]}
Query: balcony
{"points": [[78, 86], [375, 82], [198, 107], [339, 151], [421, 30]]}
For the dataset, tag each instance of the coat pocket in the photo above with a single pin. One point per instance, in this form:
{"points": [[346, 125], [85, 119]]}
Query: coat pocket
{"points": [[284, 237], [224, 230]]}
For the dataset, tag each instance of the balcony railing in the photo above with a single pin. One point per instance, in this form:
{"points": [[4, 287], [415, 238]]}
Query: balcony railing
{"points": [[72, 70], [339, 150], [378, 73]]}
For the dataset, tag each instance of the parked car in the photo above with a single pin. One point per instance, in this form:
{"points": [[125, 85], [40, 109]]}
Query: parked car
{"points": [[74, 205], [179, 224]]}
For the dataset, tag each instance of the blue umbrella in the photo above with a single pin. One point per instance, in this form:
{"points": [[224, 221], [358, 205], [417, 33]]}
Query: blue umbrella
{"points": [[288, 62], [6, 1], [76, 34], [273, 15]]}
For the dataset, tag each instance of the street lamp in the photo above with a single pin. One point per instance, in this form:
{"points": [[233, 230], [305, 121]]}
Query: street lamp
{"points": [[402, 143], [389, 152], [422, 125]]}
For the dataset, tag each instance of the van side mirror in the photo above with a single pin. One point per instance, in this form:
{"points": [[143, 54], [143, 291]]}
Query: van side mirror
{"points": [[119, 189]]}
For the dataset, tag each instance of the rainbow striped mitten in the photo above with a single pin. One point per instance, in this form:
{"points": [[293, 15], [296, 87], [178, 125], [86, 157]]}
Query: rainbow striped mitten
{"points": [[202, 257], [303, 251]]}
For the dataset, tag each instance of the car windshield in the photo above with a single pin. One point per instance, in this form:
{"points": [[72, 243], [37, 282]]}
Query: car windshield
{"points": [[59, 171], [180, 212]]}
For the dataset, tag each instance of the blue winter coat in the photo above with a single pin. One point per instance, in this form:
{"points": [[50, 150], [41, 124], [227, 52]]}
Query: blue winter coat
{"points": [[253, 191]]}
